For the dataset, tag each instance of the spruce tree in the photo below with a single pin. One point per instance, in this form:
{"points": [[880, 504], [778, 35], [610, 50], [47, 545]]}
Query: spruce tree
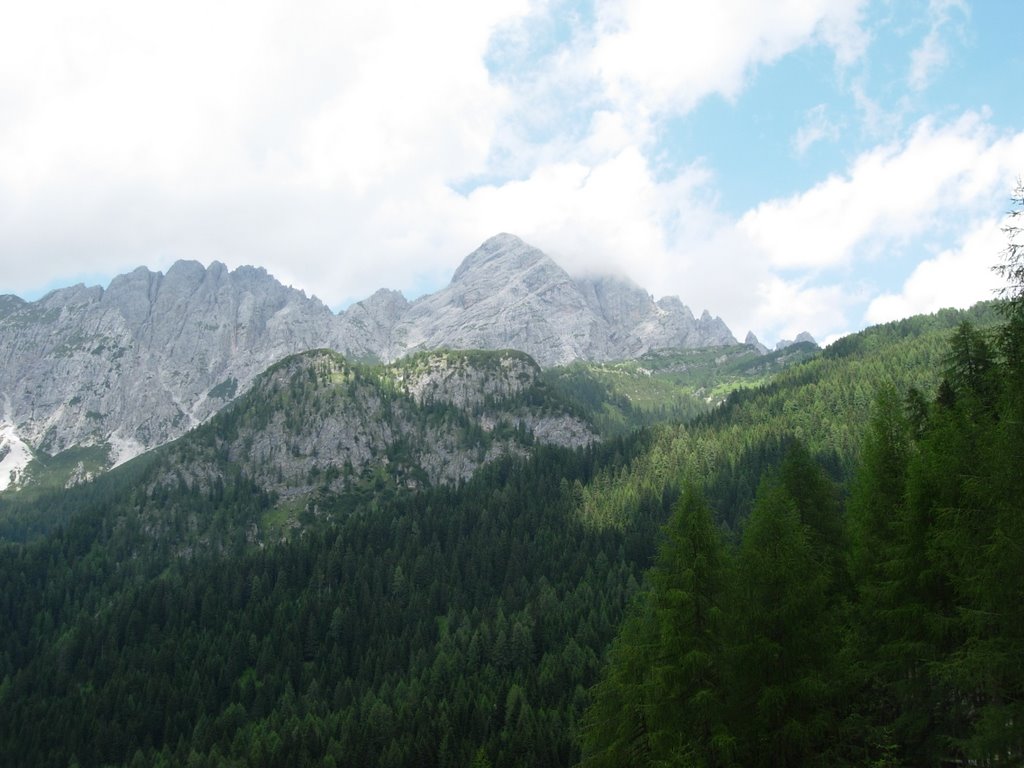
{"points": [[876, 515], [662, 699], [689, 586], [782, 639]]}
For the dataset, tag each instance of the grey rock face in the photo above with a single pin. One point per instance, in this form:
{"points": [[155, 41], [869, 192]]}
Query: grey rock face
{"points": [[505, 295], [752, 341], [366, 328], [139, 363], [803, 336], [9, 304], [329, 419], [508, 294], [456, 379]]}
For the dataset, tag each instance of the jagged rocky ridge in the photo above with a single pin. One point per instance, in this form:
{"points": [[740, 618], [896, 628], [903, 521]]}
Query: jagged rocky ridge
{"points": [[141, 362], [153, 355], [508, 294]]}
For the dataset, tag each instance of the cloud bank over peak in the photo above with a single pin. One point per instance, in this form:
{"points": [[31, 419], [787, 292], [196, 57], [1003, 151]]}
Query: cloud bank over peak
{"points": [[750, 159]]}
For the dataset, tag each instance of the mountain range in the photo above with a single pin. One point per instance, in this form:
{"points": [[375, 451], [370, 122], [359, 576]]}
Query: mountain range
{"points": [[132, 366], [444, 560]]}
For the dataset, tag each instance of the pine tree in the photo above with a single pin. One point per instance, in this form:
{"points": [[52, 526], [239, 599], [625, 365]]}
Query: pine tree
{"points": [[876, 514], [661, 701], [818, 507], [616, 726], [689, 585], [782, 639]]}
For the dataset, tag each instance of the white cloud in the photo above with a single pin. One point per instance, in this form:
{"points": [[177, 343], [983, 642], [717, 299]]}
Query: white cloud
{"points": [[876, 120], [349, 146], [817, 127], [655, 56], [324, 141], [788, 307], [610, 215], [245, 131], [889, 195], [332, 94], [933, 53], [957, 277], [616, 215]]}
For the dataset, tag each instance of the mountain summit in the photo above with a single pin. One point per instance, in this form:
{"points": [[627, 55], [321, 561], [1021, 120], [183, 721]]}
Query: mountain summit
{"points": [[508, 294], [503, 251]]}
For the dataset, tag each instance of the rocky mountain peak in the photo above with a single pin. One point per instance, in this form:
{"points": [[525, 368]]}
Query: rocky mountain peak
{"points": [[802, 337], [366, 328], [187, 273], [384, 299], [130, 367], [503, 252], [752, 341], [617, 300], [10, 303], [75, 295], [504, 295]]}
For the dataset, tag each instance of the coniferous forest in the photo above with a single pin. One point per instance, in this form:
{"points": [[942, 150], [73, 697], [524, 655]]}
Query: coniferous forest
{"points": [[881, 627], [826, 570]]}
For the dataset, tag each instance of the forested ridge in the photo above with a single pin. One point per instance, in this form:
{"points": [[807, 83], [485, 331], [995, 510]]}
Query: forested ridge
{"points": [[838, 582]]}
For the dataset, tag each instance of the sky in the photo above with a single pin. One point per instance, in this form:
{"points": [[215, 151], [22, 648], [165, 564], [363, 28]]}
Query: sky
{"points": [[816, 165]]}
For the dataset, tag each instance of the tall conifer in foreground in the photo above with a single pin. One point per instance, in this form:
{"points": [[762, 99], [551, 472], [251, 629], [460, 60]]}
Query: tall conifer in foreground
{"points": [[662, 699], [782, 638]]}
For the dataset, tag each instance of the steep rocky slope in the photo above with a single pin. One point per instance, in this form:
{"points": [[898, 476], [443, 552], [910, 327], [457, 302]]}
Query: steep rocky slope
{"points": [[317, 420]]}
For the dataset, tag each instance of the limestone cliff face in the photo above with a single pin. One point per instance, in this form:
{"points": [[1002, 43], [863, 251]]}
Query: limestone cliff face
{"points": [[139, 363], [464, 380], [801, 338], [751, 341], [634, 323], [366, 329]]}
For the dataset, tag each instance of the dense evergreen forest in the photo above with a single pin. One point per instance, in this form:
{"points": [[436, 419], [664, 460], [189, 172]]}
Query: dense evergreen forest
{"points": [[887, 631], [826, 570], [421, 631]]}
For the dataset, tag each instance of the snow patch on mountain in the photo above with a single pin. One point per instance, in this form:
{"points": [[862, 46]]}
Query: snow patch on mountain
{"points": [[14, 453]]}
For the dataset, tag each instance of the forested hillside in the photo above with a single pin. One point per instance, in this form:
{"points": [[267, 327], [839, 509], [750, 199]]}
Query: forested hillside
{"points": [[888, 635], [415, 628], [668, 385], [824, 402], [317, 424], [148, 618]]}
